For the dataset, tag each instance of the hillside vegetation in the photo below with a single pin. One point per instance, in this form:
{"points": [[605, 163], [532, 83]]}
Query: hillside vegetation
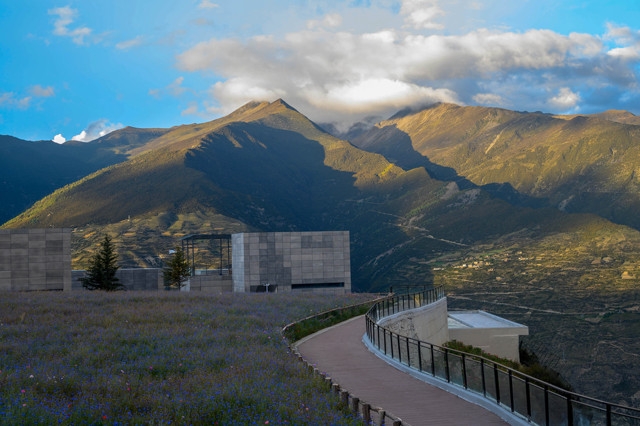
{"points": [[159, 358], [577, 164]]}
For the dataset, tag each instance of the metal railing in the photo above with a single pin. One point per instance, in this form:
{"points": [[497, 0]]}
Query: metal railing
{"points": [[527, 397]]}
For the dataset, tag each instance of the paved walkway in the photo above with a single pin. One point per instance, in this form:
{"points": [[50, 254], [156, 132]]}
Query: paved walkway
{"points": [[340, 352]]}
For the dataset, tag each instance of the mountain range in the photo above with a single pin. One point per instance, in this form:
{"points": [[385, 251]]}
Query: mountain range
{"points": [[433, 179], [426, 194]]}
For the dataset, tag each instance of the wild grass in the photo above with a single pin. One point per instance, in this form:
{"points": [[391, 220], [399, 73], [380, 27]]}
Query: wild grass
{"points": [[159, 358]]}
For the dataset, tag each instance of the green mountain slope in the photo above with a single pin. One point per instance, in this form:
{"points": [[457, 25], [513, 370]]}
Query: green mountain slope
{"points": [[579, 164], [268, 167], [31, 170]]}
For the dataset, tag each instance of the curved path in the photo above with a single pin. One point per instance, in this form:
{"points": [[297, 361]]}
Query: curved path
{"points": [[340, 352]]}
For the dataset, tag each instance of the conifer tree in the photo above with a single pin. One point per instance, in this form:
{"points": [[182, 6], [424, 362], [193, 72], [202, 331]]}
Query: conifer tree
{"points": [[101, 274], [177, 270]]}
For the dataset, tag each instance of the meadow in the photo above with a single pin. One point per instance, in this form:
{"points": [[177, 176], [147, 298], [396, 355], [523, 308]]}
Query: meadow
{"points": [[159, 358]]}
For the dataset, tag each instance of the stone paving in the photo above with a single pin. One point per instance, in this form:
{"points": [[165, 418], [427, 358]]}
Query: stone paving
{"points": [[340, 352]]}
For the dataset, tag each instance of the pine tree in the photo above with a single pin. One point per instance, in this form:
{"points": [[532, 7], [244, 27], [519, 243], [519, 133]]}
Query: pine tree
{"points": [[101, 274], [177, 270]]}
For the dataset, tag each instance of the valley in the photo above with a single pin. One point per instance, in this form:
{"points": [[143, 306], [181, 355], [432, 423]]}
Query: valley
{"points": [[527, 215]]}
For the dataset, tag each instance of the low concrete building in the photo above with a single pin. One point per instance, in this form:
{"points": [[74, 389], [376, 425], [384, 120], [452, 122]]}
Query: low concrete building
{"points": [[131, 278], [35, 259], [493, 334], [292, 261]]}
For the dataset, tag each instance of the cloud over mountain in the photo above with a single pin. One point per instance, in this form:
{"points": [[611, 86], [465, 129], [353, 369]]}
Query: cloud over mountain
{"points": [[331, 71], [96, 129]]}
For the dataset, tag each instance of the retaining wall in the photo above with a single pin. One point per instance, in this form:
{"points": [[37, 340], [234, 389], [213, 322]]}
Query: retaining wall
{"points": [[428, 323]]}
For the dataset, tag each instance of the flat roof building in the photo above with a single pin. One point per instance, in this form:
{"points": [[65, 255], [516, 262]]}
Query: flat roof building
{"points": [[491, 333], [291, 261]]}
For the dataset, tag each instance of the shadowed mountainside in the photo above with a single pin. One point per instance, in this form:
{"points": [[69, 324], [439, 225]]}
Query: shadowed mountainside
{"points": [[31, 170]]}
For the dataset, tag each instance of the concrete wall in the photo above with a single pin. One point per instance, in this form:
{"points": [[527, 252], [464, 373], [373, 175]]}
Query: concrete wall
{"points": [[35, 259], [238, 243], [503, 341], [294, 261], [211, 283], [428, 323], [133, 279]]}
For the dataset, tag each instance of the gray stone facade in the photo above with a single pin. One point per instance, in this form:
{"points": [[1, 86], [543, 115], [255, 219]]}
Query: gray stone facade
{"points": [[131, 278], [35, 259], [294, 261], [211, 283]]}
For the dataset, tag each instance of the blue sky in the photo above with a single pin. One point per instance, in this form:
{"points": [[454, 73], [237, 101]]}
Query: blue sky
{"points": [[83, 68]]}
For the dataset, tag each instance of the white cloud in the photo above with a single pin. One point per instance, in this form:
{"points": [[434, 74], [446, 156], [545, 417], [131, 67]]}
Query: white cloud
{"points": [[82, 137], [175, 88], [207, 4], [65, 17], [489, 99], [155, 93], [128, 44], [191, 110], [59, 138], [330, 73], [627, 52], [8, 100], [371, 95], [621, 35], [565, 98], [97, 129], [421, 14], [42, 92], [332, 20]]}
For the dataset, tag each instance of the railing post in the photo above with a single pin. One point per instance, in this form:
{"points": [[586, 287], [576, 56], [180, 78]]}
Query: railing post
{"points": [[497, 382], [419, 355], [384, 335], [344, 397], [391, 342], [433, 363], [408, 356], [464, 372], [528, 393], [378, 342], [546, 405], [511, 390], [366, 413], [355, 404], [608, 414], [446, 364], [399, 350], [569, 411], [484, 381]]}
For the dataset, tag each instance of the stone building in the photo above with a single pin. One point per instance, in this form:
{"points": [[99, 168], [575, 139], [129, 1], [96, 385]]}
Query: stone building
{"points": [[35, 259], [291, 261]]}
